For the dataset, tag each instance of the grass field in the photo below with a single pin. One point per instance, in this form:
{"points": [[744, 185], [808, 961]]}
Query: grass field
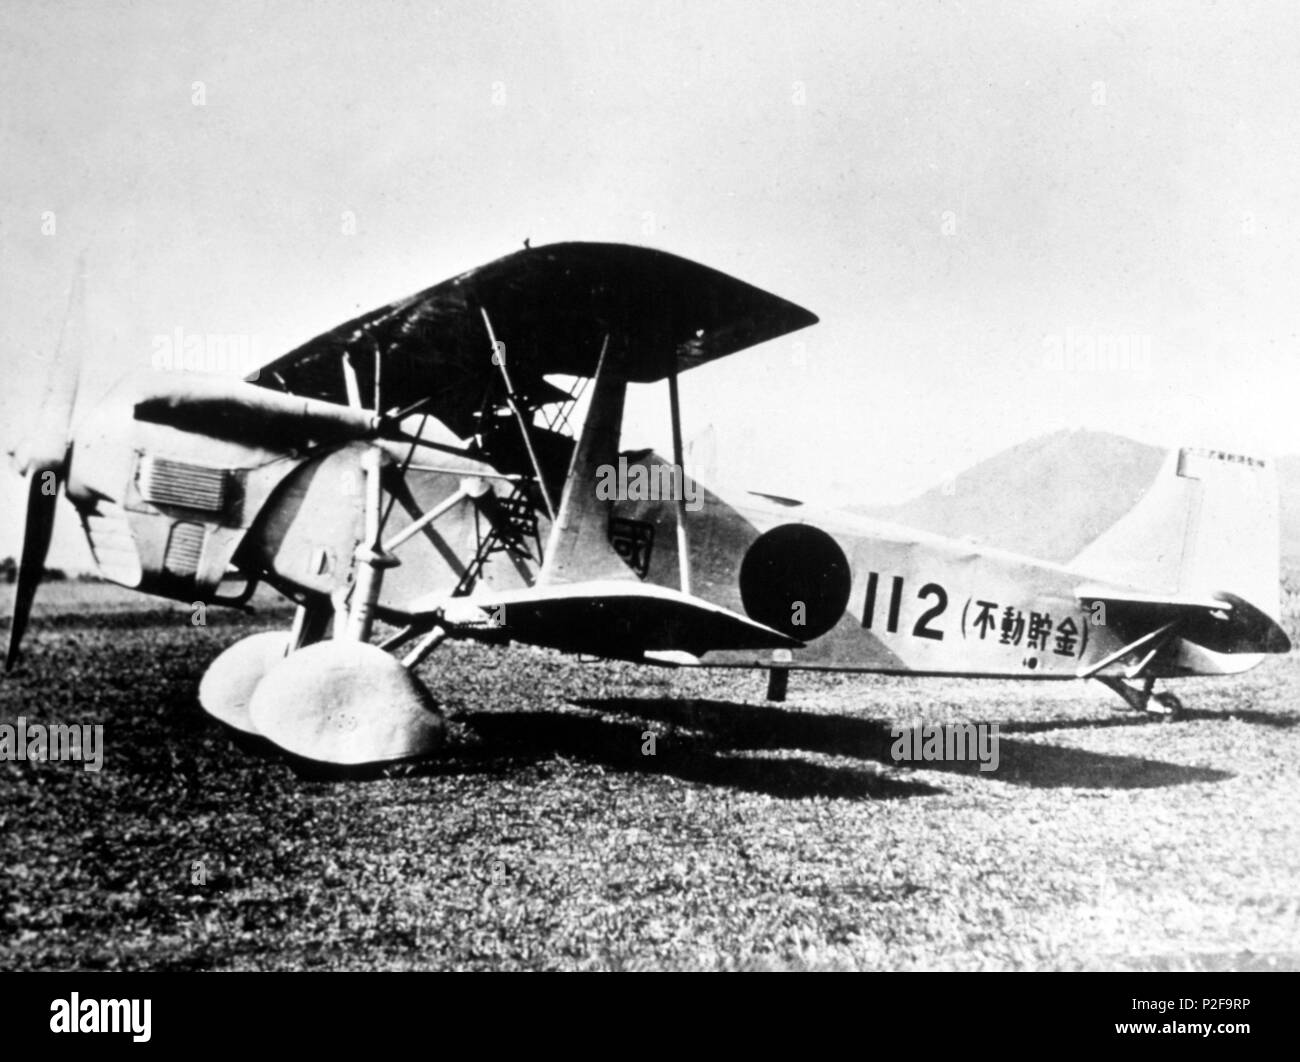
{"points": [[757, 836]]}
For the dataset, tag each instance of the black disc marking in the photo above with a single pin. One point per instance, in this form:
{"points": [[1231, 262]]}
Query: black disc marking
{"points": [[791, 566]]}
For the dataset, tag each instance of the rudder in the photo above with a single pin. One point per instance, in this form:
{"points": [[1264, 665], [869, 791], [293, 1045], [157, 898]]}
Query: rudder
{"points": [[1208, 525]]}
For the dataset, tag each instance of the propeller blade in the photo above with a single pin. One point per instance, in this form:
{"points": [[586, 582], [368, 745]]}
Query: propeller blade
{"points": [[42, 457], [42, 496], [45, 445]]}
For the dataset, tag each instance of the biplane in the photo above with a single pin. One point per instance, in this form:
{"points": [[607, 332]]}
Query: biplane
{"points": [[413, 476]]}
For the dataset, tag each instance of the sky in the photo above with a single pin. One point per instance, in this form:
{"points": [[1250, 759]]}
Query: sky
{"points": [[1011, 218]]}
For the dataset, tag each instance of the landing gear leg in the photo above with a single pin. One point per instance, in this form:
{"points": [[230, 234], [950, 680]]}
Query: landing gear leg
{"points": [[1169, 703], [1139, 700], [340, 701], [310, 625], [778, 679]]}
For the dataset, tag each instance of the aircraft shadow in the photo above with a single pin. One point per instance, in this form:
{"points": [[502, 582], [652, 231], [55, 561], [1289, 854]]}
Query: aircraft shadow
{"points": [[703, 735], [691, 757], [1282, 721], [505, 741], [747, 726]]}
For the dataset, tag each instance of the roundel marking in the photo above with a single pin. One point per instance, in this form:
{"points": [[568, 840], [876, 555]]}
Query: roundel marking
{"points": [[795, 572]]}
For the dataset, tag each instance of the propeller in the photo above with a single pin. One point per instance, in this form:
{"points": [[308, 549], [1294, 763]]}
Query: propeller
{"points": [[43, 457]]}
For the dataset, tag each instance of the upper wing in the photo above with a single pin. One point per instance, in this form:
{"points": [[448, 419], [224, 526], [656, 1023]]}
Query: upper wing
{"points": [[555, 308]]}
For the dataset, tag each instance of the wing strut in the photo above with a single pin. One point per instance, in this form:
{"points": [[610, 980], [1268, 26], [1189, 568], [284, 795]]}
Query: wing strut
{"points": [[418, 525], [350, 382], [372, 559], [578, 549], [683, 549], [499, 356], [1159, 636]]}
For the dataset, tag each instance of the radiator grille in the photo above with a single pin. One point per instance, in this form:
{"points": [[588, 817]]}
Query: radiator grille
{"points": [[184, 548], [166, 482], [111, 542]]}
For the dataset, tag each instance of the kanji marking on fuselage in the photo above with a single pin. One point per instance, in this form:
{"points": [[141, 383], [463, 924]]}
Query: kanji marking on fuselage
{"points": [[1232, 459], [1014, 626], [982, 620]]}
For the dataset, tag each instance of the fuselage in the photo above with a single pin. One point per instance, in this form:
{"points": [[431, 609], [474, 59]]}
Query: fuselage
{"points": [[873, 596], [180, 508]]}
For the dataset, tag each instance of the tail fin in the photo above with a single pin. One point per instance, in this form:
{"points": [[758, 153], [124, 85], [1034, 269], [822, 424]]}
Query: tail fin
{"points": [[1208, 525]]}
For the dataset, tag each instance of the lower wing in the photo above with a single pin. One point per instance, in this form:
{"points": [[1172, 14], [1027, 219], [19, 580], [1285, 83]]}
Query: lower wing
{"points": [[630, 620]]}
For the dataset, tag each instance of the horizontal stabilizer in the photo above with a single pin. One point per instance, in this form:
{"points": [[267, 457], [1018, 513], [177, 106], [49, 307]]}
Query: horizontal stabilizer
{"points": [[1111, 595], [1222, 623], [610, 618]]}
